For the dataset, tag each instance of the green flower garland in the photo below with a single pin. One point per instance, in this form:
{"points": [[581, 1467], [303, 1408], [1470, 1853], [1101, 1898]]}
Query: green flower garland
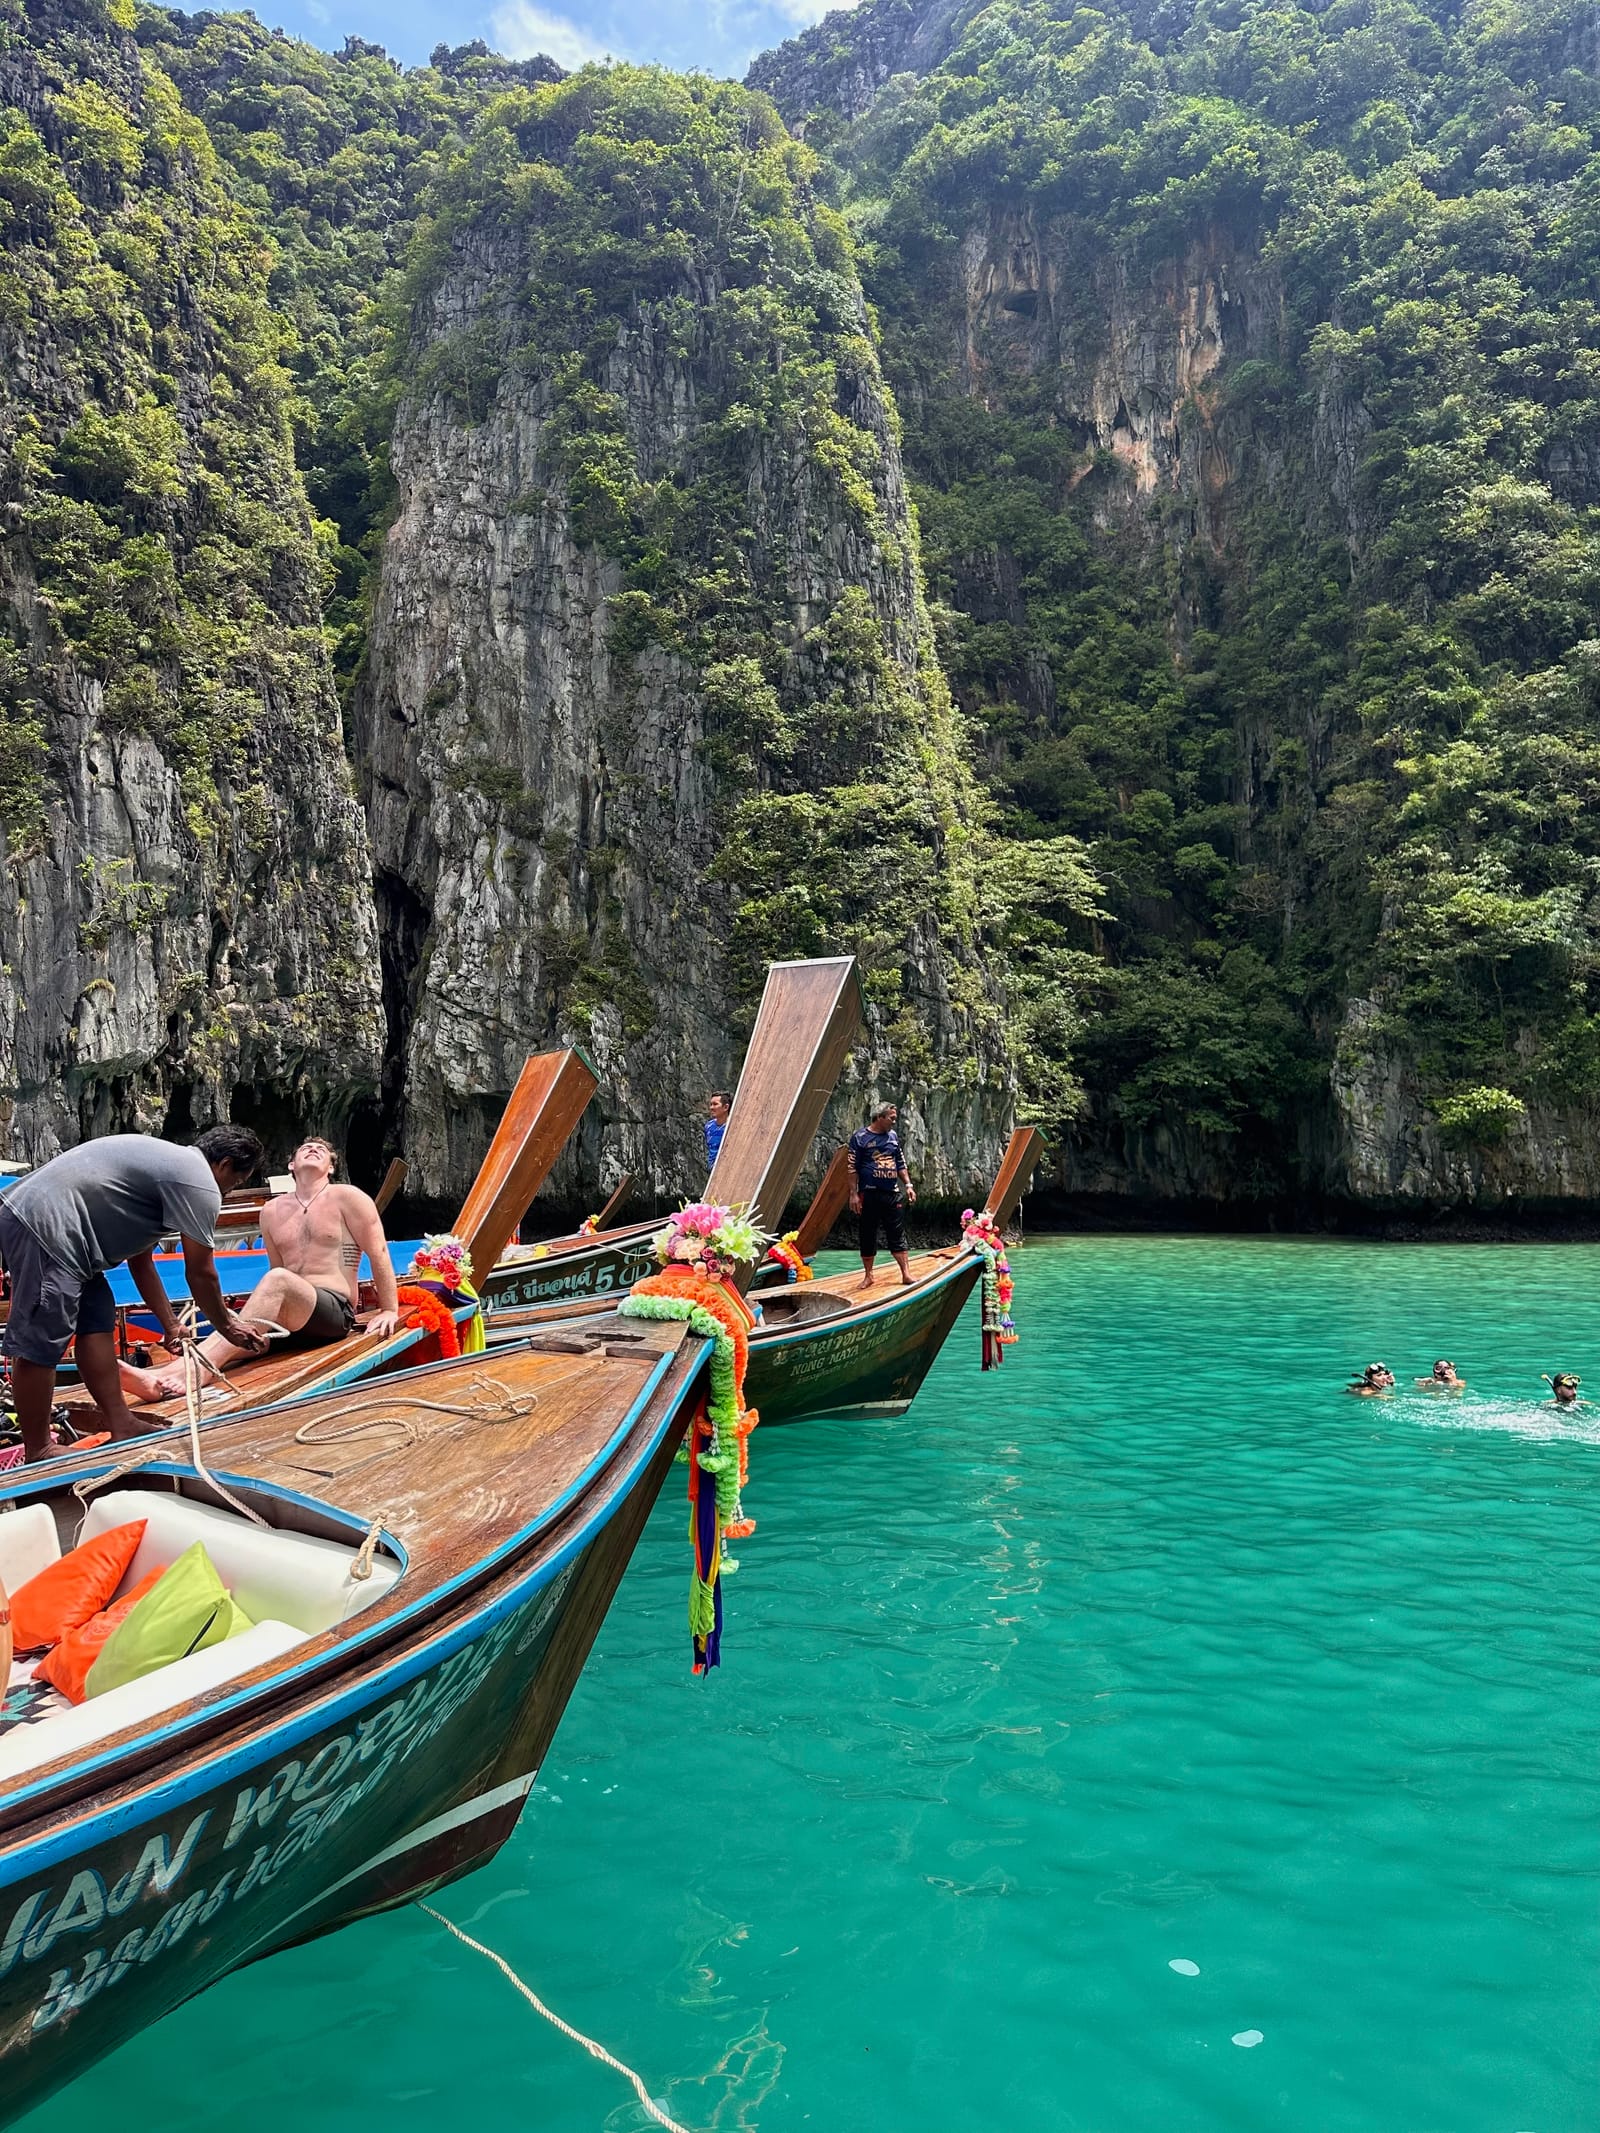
{"points": [[721, 1462]]}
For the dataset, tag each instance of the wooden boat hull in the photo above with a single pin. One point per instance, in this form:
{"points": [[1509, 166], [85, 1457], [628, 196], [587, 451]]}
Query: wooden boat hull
{"points": [[868, 1362], [869, 1359], [590, 1270], [386, 1787], [601, 1267]]}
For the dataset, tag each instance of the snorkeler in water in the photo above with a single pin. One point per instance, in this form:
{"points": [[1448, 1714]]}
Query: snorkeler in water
{"points": [[1375, 1379], [1565, 1385], [1444, 1379]]}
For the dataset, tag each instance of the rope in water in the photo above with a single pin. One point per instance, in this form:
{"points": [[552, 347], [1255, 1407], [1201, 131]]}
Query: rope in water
{"points": [[595, 2051]]}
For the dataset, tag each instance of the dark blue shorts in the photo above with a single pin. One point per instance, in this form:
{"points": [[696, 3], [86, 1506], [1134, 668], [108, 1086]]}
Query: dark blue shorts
{"points": [[49, 1303]]}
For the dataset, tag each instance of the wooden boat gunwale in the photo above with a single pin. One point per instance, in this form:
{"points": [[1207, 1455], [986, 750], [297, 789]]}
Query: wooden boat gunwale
{"points": [[381, 1622], [222, 1759], [882, 1297]]}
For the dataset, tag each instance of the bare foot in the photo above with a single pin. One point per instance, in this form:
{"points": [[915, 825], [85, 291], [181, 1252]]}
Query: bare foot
{"points": [[149, 1427], [906, 1280], [865, 1282], [143, 1385]]}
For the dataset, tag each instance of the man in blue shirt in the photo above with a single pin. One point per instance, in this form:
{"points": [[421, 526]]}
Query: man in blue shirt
{"points": [[716, 1125], [878, 1176]]}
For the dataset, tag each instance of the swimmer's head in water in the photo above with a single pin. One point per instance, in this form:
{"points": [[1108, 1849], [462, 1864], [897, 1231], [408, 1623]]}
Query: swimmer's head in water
{"points": [[1377, 1374], [1444, 1370], [1565, 1385]]}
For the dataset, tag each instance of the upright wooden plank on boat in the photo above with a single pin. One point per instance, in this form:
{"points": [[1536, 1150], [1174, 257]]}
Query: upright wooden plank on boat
{"points": [[617, 1202], [550, 1097], [810, 1013], [393, 1178], [1015, 1174], [827, 1205]]}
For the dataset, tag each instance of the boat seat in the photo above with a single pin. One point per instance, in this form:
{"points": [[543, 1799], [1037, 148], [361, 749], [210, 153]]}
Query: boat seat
{"points": [[28, 1544], [276, 1576], [78, 1727], [799, 1305]]}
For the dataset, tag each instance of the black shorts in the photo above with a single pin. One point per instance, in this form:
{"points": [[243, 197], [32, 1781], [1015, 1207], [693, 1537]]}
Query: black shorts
{"points": [[49, 1303], [333, 1318], [881, 1213]]}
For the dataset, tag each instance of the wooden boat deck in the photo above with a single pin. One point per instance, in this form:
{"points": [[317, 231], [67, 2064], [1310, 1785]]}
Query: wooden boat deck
{"points": [[464, 1465], [460, 1458], [261, 1381]]}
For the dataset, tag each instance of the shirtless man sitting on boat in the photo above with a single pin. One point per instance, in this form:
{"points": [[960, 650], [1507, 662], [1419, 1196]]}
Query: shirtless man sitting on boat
{"points": [[315, 1237]]}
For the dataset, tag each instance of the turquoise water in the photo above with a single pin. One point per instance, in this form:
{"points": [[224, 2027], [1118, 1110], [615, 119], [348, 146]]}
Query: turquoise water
{"points": [[1154, 1647]]}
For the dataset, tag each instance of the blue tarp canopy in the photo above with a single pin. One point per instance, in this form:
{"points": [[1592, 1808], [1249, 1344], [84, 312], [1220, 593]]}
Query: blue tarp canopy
{"points": [[238, 1271]]}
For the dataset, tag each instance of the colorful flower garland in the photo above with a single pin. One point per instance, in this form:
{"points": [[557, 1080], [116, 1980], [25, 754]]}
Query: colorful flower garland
{"points": [[445, 1258], [786, 1251], [701, 1250], [419, 1307], [979, 1231], [442, 1268]]}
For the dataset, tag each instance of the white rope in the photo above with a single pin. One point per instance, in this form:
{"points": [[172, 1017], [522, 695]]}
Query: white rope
{"points": [[508, 1406], [84, 1489], [191, 1400], [361, 1568], [595, 2051]]}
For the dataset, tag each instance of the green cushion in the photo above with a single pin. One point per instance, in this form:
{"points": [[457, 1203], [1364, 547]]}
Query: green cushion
{"points": [[187, 1610]]}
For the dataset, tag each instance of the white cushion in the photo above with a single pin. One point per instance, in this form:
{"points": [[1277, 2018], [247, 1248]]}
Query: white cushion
{"points": [[284, 1577], [67, 1732], [28, 1544]]}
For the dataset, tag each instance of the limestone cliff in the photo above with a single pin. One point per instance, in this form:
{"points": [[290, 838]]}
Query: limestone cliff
{"points": [[650, 695], [1177, 430], [184, 903]]}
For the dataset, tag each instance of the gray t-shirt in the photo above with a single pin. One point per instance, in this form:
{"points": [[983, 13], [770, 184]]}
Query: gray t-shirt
{"points": [[111, 1199]]}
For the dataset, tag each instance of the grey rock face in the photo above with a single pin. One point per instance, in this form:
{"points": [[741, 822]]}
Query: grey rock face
{"points": [[183, 933], [546, 809], [1390, 1152], [843, 63]]}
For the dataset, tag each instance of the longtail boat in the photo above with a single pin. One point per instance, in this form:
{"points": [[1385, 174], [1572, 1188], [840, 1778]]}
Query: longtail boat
{"points": [[546, 1104], [426, 1565], [599, 1262], [828, 1347]]}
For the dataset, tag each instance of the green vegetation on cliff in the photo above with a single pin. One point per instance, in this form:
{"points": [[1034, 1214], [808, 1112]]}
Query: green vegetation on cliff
{"points": [[331, 154], [146, 463], [1246, 355], [1301, 640], [648, 269]]}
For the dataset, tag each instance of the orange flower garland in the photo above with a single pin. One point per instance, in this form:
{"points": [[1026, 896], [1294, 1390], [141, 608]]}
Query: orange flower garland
{"points": [[420, 1307]]}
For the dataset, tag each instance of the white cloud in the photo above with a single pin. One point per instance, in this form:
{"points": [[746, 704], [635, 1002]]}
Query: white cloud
{"points": [[521, 30]]}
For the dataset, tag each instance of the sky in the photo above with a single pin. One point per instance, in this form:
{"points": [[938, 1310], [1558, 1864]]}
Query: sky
{"points": [[719, 36]]}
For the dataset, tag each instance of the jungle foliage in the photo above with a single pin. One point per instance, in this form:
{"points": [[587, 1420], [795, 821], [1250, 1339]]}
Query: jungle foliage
{"points": [[1332, 733], [146, 462], [1320, 728]]}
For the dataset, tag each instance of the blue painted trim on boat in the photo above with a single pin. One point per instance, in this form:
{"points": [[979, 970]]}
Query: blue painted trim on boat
{"points": [[293, 1730], [794, 1335]]}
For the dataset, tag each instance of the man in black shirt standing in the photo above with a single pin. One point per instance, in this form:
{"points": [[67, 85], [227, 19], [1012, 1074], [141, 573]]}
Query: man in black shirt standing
{"points": [[878, 1175]]}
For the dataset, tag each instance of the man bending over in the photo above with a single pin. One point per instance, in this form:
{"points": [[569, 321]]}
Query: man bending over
{"points": [[65, 1223], [315, 1237]]}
